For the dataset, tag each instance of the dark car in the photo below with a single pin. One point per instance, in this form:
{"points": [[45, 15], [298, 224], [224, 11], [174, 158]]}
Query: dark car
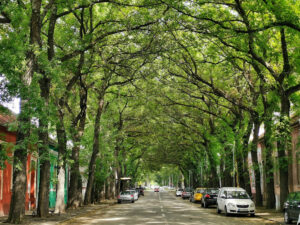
{"points": [[209, 197], [140, 191], [292, 207], [186, 193]]}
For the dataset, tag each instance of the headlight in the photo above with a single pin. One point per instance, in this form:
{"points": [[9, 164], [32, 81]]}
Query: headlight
{"points": [[252, 205], [231, 205]]}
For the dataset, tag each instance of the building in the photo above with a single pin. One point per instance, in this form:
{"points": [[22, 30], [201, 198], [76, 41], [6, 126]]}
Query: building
{"points": [[7, 141]]}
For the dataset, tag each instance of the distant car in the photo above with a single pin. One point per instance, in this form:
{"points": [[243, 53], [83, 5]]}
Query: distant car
{"points": [[233, 200], [156, 189], [292, 207], [196, 196], [186, 193], [126, 196], [178, 192], [135, 194], [209, 197]]}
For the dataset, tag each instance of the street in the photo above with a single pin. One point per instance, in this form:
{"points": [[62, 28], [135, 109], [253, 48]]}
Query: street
{"points": [[161, 208]]}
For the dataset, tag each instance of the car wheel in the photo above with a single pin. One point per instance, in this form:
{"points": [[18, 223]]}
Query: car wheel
{"points": [[226, 213], [119, 201], [132, 201], [252, 214], [287, 219], [218, 210]]}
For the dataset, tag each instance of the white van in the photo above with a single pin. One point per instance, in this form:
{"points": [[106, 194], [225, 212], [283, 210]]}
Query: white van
{"points": [[233, 200]]}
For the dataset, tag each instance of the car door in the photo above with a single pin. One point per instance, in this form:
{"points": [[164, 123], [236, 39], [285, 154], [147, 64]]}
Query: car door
{"points": [[221, 200]]}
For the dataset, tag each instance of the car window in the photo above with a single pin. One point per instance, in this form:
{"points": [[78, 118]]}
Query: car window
{"points": [[200, 191], [212, 191], [125, 193], [237, 195]]}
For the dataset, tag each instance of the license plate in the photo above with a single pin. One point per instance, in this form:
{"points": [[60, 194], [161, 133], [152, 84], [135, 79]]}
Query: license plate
{"points": [[243, 210]]}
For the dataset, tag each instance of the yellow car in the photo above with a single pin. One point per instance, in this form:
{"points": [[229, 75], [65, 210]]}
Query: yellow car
{"points": [[197, 195]]}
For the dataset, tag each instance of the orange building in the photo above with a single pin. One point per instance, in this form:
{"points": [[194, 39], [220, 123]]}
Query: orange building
{"points": [[7, 141]]}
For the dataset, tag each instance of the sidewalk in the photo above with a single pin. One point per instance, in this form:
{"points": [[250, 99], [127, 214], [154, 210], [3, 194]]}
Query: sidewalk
{"points": [[69, 215], [270, 215]]}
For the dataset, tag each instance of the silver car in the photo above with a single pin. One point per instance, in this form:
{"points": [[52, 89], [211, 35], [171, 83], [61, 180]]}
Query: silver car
{"points": [[126, 196]]}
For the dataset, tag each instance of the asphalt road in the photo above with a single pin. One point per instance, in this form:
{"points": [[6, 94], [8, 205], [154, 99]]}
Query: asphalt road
{"points": [[162, 208]]}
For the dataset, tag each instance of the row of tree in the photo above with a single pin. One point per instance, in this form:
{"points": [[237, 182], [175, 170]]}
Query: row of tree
{"points": [[133, 85]]}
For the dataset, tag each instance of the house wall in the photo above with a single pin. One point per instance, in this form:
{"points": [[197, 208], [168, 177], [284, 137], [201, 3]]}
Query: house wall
{"points": [[294, 166], [7, 173]]}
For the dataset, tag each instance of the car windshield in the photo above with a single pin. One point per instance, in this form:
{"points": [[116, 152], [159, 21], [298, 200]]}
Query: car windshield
{"points": [[212, 191], [180, 190], [200, 191], [237, 195], [125, 193]]}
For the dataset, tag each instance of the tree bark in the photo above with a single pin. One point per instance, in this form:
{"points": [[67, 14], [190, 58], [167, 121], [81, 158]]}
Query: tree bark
{"points": [[283, 148], [92, 165], [17, 206], [44, 154], [269, 165], [258, 194], [60, 206], [77, 130]]}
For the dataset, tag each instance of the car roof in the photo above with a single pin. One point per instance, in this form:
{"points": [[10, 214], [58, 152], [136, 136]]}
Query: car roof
{"points": [[232, 189]]}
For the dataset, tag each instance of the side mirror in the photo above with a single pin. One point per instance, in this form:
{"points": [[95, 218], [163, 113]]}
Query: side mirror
{"points": [[223, 196]]}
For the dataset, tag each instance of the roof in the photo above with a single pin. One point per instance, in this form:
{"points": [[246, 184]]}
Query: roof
{"points": [[6, 116]]}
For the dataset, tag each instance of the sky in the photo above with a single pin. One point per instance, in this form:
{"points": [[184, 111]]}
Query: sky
{"points": [[13, 105]]}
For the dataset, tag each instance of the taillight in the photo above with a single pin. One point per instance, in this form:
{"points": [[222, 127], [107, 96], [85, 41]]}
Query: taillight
{"points": [[118, 196], [207, 196], [131, 196]]}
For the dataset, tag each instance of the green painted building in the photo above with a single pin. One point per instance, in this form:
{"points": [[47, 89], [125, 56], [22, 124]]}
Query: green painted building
{"points": [[53, 177]]}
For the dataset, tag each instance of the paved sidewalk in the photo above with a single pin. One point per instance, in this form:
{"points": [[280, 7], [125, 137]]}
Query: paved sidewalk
{"points": [[70, 214], [270, 215]]}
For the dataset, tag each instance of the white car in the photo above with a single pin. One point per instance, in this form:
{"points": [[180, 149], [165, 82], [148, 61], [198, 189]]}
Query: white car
{"points": [[233, 200], [126, 196], [178, 192], [135, 194]]}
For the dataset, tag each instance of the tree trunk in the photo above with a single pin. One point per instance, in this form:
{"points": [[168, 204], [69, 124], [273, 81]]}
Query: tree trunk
{"points": [[269, 165], [245, 157], [43, 200], [283, 146], [60, 206], [258, 194], [74, 179], [92, 165], [17, 205]]}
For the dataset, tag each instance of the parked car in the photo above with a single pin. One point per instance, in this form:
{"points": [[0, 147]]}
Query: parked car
{"points": [[135, 194], [178, 192], [186, 193], [126, 196], [209, 197], [196, 196], [292, 207], [233, 200], [156, 189]]}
